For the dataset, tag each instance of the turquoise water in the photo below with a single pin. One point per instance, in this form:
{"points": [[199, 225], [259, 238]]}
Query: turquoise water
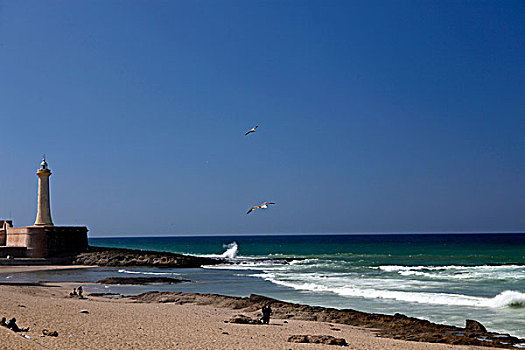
{"points": [[443, 278], [410, 249]]}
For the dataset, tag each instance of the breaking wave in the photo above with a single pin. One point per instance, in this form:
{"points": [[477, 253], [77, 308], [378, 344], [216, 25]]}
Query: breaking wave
{"points": [[506, 298]]}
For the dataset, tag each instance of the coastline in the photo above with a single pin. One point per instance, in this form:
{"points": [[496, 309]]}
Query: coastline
{"points": [[122, 324], [194, 321]]}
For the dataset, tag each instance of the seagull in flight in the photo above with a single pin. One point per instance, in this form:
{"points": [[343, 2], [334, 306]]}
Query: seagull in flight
{"points": [[262, 206], [252, 130]]}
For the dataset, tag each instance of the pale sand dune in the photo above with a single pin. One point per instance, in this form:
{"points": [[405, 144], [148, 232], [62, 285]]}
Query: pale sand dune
{"points": [[115, 324]]}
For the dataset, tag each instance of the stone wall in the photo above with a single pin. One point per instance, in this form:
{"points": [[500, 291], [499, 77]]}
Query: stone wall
{"points": [[48, 241], [17, 236]]}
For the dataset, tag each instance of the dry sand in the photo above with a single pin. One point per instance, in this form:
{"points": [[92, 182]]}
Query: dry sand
{"points": [[122, 324]]}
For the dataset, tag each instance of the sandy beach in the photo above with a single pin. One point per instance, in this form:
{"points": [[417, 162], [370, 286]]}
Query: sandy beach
{"points": [[125, 324]]}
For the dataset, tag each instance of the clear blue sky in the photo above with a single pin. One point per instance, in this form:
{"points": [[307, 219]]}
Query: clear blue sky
{"points": [[375, 116]]}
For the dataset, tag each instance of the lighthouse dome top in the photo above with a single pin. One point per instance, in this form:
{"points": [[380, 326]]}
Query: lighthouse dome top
{"points": [[43, 164], [43, 171]]}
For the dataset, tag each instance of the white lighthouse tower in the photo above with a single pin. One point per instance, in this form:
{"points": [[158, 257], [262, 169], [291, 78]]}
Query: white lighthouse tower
{"points": [[43, 214]]}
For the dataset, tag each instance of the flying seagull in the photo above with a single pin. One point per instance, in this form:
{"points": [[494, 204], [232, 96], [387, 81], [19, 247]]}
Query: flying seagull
{"points": [[252, 130], [262, 206]]}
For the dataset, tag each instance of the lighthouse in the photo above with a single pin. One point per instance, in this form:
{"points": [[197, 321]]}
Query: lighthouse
{"points": [[43, 240], [43, 214]]}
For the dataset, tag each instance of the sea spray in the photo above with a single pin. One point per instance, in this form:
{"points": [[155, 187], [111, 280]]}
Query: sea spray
{"points": [[231, 251]]}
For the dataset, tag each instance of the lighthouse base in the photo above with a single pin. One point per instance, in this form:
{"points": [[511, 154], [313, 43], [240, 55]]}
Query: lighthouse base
{"points": [[42, 241]]}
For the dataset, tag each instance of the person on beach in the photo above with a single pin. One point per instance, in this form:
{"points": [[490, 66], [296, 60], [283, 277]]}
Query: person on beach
{"points": [[266, 312], [14, 327], [74, 292], [79, 290], [3, 322]]}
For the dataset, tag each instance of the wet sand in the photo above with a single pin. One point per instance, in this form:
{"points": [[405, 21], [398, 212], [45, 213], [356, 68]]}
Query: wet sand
{"points": [[14, 269]]}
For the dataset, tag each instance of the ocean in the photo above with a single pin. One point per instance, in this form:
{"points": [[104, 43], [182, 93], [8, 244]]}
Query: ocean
{"points": [[444, 278]]}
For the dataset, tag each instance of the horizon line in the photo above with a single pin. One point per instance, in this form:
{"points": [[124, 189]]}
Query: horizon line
{"points": [[320, 234]]}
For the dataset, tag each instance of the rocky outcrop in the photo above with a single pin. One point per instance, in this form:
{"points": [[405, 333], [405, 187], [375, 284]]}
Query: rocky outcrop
{"points": [[475, 326], [318, 339], [100, 256], [396, 326], [141, 280]]}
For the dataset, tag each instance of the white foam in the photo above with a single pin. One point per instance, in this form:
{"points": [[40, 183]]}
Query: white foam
{"points": [[232, 267], [248, 265], [147, 273], [303, 261]]}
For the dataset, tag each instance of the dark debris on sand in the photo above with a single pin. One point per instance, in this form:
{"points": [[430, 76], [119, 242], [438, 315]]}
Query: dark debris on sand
{"points": [[317, 339]]}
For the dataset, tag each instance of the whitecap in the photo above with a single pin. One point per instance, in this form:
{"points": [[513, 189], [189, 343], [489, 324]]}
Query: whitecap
{"points": [[508, 298], [147, 273], [454, 272]]}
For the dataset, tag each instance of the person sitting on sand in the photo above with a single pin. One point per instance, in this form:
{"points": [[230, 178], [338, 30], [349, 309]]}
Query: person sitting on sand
{"points": [[73, 293], [266, 312], [79, 290], [2, 323], [14, 327]]}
